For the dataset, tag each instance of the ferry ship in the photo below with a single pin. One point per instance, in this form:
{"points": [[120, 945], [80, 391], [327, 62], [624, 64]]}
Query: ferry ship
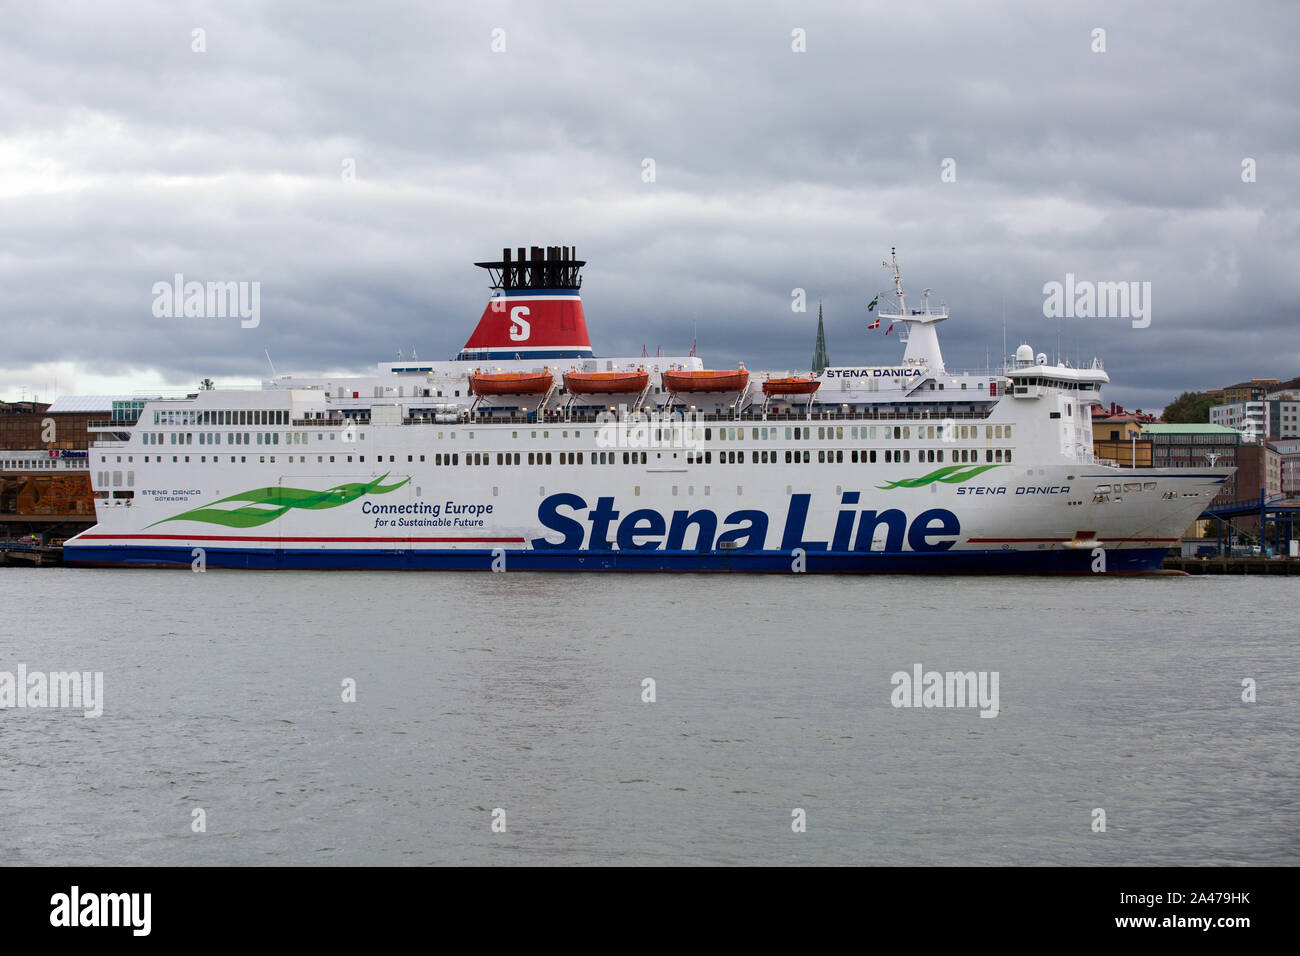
{"points": [[526, 451]]}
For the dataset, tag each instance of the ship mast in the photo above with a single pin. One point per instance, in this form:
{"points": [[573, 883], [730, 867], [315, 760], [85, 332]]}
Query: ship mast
{"points": [[917, 328], [898, 280]]}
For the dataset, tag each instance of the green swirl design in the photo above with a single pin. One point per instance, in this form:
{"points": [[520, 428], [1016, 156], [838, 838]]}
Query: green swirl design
{"points": [[951, 475], [267, 504]]}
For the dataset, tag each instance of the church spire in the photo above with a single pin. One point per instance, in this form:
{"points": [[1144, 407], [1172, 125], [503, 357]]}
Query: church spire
{"points": [[820, 358]]}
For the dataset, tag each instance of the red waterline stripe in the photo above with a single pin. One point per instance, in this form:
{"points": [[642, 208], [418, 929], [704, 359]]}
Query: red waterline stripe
{"points": [[1032, 540], [1010, 540], [275, 538]]}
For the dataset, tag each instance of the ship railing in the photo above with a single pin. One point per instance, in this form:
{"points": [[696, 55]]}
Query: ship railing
{"points": [[772, 416]]}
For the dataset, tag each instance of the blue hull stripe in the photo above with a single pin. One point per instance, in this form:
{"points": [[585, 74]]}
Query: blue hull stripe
{"points": [[1060, 561], [510, 355]]}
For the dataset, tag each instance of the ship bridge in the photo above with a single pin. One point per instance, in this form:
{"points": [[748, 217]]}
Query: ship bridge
{"points": [[1032, 377]]}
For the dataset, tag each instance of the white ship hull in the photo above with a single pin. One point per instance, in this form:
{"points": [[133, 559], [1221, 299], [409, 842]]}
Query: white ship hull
{"points": [[664, 514]]}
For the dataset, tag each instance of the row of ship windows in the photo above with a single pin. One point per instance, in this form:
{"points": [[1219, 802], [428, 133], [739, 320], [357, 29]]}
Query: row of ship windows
{"points": [[232, 438], [23, 464], [218, 416], [824, 456], [1054, 383], [678, 434], [865, 456], [951, 432]]}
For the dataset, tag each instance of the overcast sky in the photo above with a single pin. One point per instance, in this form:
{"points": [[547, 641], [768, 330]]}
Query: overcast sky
{"points": [[126, 157]]}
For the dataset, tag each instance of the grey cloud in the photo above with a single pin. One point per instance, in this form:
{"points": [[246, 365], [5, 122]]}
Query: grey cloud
{"points": [[128, 158]]}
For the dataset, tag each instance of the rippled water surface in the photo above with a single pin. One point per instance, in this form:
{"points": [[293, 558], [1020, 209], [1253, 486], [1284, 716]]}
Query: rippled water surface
{"points": [[223, 691]]}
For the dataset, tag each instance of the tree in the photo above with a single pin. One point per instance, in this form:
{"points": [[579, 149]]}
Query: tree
{"points": [[1190, 408]]}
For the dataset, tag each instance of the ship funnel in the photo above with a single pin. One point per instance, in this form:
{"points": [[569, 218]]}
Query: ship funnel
{"points": [[535, 311]]}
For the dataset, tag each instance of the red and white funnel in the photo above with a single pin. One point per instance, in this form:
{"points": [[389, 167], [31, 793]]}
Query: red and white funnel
{"points": [[535, 311]]}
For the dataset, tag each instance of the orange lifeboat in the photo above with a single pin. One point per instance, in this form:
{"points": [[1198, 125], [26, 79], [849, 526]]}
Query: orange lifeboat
{"points": [[708, 380], [791, 386], [605, 383], [511, 383]]}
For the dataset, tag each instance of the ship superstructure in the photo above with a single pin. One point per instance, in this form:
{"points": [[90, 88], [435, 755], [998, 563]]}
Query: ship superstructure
{"points": [[527, 451]]}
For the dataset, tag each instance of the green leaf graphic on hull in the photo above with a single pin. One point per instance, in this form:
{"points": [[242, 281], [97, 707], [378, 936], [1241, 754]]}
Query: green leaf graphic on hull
{"points": [[952, 475], [267, 504]]}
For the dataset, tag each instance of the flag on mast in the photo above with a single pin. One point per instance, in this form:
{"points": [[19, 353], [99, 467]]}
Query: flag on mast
{"points": [[890, 329], [874, 325], [873, 303]]}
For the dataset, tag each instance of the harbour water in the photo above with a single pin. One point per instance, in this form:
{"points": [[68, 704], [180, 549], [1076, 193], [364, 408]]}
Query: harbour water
{"points": [[224, 692]]}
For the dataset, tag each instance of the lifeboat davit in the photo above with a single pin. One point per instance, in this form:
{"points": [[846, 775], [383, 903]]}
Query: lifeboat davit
{"points": [[605, 383], [791, 386], [511, 383], [708, 380]]}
